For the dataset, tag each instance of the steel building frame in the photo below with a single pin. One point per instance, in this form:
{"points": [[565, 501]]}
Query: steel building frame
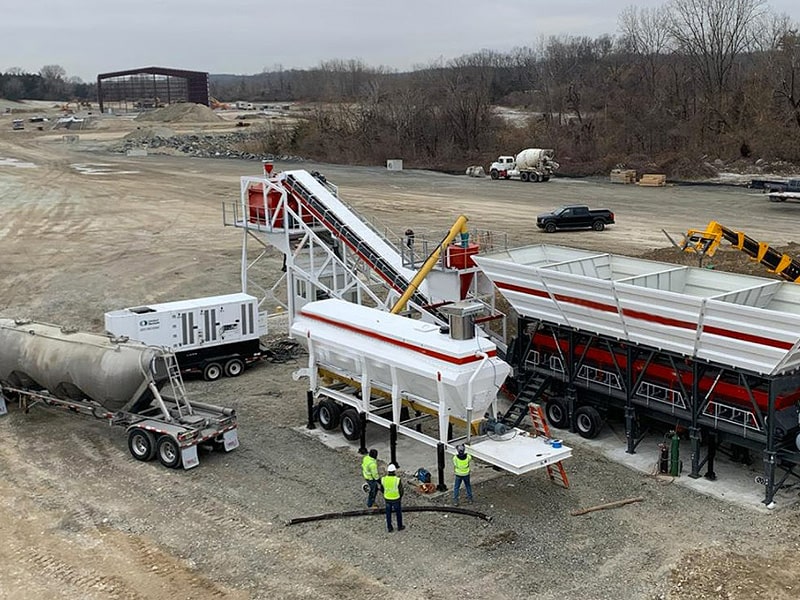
{"points": [[169, 85]]}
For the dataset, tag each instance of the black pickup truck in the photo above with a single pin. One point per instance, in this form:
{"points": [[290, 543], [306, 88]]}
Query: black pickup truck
{"points": [[575, 217]]}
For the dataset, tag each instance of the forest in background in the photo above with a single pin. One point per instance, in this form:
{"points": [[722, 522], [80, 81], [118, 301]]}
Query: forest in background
{"points": [[678, 87]]}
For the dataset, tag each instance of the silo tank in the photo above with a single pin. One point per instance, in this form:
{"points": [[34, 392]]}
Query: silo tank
{"points": [[75, 365]]}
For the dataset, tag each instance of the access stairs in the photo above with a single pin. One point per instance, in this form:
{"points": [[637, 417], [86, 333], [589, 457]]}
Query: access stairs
{"points": [[531, 390]]}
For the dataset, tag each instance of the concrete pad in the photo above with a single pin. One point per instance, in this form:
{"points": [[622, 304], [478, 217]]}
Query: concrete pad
{"points": [[735, 483], [411, 454]]}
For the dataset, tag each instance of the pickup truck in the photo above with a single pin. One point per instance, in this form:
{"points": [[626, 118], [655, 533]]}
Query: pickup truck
{"points": [[575, 217], [783, 192]]}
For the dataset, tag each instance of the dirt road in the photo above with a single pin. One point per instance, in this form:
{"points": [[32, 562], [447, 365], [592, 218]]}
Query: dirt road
{"points": [[83, 232]]}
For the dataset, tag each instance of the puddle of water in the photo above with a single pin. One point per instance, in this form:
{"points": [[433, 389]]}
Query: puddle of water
{"points": [[99, 169], [13, 162]]}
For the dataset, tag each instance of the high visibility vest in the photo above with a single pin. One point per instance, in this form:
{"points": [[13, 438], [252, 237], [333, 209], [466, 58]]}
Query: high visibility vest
{"points": [[391, 487], [461, 465], [369, 468]]}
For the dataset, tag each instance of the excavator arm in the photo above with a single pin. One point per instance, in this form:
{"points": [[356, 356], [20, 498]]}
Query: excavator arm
{"points": [[706, 242]]}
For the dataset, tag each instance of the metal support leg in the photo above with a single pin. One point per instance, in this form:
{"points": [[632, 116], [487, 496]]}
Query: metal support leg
{"points": [[572, 400], [393, 443], [442, 486], [310, 407], [712, 453], [363, 418], [694, 436], [630, 430], [769, 475]]}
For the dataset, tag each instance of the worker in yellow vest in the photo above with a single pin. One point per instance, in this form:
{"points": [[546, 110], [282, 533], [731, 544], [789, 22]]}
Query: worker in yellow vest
{"points": [[369, 468], [392, 493], [461, 464]]}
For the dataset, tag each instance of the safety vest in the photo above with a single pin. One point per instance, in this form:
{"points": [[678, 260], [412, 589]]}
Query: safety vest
{"points": [[461, 465], [369, 468], [391, 487]]}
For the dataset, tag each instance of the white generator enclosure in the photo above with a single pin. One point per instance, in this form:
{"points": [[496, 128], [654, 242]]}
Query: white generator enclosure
{"points": [[189, 324]]}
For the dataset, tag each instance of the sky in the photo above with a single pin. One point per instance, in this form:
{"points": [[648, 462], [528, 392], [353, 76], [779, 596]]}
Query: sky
{"points": [[249, 36]]}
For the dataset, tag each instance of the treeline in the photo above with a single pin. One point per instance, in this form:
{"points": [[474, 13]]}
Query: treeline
{"points": [[678, 86], [50, 83]]}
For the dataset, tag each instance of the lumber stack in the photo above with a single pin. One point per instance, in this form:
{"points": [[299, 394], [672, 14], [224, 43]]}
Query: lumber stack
{"points": [[653, 180], [623, 176]]}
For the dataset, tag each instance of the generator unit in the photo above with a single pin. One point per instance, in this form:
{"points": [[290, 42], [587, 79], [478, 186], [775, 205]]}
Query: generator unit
{"points": [[213, 336]]}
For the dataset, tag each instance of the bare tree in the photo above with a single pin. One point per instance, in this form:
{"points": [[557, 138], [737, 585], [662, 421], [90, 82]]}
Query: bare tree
{"points": [[713, 34]]}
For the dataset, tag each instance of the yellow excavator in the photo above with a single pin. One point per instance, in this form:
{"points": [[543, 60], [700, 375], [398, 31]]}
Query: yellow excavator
{"points": [[705, 242]]}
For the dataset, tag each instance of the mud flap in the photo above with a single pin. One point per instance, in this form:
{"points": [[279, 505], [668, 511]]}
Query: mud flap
{"points": [[189, 457], [231, 440]]}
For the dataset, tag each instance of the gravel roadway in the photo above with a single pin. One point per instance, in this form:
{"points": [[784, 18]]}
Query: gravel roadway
{"points": [[83, 231]]}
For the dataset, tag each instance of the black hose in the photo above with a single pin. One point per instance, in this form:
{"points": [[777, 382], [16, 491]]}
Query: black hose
{"points": [[406, 509]]}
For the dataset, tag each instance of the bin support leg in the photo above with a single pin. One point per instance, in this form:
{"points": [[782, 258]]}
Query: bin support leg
{"points": [[310, 406], [363, 418], [393, 443], [712, 453], [442, 486]]}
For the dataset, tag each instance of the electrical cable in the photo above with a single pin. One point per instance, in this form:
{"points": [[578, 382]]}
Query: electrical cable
{"points": [[371, 512]]}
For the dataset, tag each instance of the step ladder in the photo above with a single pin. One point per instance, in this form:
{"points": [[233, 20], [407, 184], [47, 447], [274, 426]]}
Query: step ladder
{"points": [[176, 383], [556, 471]]}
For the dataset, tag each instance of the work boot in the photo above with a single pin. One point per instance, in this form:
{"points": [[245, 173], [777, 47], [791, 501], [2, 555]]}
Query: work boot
{"points": [[401, 528], [390, 530], [469, 500]]}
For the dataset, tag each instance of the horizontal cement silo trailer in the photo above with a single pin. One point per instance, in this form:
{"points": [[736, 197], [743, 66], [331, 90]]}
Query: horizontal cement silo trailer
{"points": [[129, 384]]}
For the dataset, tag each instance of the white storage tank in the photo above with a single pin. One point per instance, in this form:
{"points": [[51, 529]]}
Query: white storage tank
{"points": [[344, 337], [76, 365]]}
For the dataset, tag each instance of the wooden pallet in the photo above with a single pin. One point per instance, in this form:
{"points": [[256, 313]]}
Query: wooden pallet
{"points": [[623, 176], [653, 180]]}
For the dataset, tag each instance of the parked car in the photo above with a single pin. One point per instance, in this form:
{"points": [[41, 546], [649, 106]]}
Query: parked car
{"points": [[575, 217]]}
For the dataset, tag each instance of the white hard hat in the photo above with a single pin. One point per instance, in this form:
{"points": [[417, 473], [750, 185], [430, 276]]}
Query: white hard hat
{"points": [[391, 468]]}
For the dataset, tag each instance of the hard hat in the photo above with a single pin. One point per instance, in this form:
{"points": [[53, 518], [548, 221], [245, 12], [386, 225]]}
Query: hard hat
{"points": [[391, 468]]}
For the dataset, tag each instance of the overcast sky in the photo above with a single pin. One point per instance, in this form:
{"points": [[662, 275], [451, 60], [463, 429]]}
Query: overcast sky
{"points": [[88, 37]]}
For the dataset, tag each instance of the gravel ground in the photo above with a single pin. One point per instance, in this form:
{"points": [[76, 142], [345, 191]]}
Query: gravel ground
{"points": [[80, 518]]}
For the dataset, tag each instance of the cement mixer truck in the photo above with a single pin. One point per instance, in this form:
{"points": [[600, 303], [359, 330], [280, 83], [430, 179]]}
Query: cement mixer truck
{"points": [[531, 164], [130, 385]]}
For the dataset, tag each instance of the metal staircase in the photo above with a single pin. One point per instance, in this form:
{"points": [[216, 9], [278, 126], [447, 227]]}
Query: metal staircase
{"points": [[531, 390]]}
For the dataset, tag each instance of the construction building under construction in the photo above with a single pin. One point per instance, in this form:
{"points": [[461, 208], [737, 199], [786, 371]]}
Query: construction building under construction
{"points": [[150, 87]]}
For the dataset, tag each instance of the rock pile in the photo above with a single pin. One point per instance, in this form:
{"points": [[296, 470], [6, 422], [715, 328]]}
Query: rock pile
{"points": [[223, 145]]}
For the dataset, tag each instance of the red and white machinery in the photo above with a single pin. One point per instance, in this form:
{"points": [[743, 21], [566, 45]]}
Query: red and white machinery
{"points": [[716, 354], [342, 277]]}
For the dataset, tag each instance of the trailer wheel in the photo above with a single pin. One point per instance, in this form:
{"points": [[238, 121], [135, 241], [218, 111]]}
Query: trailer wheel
{"points": [[535, 177], [142, 444], [550, 227], [351, 424], [588, 422], [169, 453], [234, 367], [556, 412], [329, 413], [598, 225], [523, 176], [212, 371]]}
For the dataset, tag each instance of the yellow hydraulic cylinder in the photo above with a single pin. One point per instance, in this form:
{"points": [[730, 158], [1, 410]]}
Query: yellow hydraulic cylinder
{"points": [[458, 228]]}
